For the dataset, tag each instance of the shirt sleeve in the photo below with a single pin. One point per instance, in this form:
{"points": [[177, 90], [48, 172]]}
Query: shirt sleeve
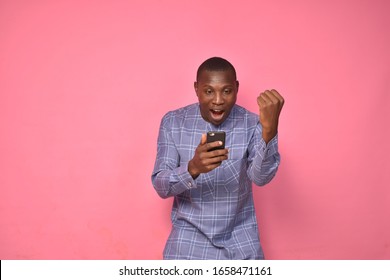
{"points": [[264, 159], [169, 178]]}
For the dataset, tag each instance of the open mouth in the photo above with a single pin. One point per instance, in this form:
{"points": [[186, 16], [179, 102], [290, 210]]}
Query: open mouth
{"points": [[217, 114]]}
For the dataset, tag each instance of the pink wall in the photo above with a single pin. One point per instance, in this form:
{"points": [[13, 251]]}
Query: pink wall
{"points": [[83, 88]]}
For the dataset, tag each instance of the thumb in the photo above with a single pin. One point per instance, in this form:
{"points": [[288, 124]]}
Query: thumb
{"points": [[203, 139]]}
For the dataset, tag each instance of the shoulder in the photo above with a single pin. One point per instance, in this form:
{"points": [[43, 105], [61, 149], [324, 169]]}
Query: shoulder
{"points": [[181, 112], [179, 115]]}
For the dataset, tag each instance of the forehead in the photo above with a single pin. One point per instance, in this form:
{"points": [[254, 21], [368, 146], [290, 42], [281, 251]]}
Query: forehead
{"points": [[217, 77]]}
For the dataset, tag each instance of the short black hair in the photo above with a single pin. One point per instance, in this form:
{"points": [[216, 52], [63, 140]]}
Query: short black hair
{"points": [[215, 64]]}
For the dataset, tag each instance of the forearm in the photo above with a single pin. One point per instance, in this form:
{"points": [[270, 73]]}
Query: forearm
{"points": [[169, 183], [265, 163]]}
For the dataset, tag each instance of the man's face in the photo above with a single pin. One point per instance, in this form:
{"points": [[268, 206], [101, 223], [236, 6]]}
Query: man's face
{"points": [[217, 94]]}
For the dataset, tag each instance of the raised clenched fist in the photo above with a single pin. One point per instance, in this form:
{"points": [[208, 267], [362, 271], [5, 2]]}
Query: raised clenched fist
{"points": [[270, 105]]}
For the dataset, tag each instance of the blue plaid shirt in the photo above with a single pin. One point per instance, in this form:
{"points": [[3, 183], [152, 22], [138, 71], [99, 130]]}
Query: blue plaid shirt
{"points": [[213, 216]]}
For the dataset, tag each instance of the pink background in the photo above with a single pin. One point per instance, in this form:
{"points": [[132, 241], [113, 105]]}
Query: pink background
{"points": [[83, 87]]}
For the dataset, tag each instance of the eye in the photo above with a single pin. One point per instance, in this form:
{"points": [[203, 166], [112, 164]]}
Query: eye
{"points": [[227, 91], [208, 91]]}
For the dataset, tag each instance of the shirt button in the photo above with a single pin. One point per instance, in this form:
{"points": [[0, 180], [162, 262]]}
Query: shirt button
{"points": [[189, 184]]}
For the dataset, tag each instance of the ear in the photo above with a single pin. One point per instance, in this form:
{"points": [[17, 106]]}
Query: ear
{"points": [[196, 87], [237, 85]]}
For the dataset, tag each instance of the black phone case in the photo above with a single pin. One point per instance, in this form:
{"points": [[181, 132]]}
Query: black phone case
{"points": [[213, 136]]}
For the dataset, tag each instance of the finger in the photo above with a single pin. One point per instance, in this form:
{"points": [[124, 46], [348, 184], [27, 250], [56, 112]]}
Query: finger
{"points": [[213, 166], [214, 145], [278, 96], [266, 96], [273, 98], [263, 99], [260, 101], [203, 139], [215, 160], [217, 153], [263, 102]]}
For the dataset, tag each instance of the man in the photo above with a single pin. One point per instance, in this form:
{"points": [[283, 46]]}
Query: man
{"points": [[213, 215]]}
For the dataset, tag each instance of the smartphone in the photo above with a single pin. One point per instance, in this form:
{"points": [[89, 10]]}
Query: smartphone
{"points": [[213, 136]]}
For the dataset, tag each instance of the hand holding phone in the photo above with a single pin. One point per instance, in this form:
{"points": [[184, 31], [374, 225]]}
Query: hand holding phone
{"points": [[204, 161]]}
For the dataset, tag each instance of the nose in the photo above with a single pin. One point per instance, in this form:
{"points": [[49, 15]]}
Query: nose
{"points": [[218, 98]]}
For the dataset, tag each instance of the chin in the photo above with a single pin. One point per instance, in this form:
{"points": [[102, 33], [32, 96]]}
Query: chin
{"points": [[217, 122]]}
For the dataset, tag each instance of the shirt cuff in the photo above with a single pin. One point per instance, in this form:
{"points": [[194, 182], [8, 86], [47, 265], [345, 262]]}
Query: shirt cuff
{"points": [[270, 149], [185, 177]]}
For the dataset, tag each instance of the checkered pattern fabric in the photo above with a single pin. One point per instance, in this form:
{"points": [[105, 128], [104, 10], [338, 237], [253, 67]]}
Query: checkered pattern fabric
{"points": [[213, 216]]}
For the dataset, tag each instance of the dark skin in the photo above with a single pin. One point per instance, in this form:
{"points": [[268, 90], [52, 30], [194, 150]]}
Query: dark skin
{"points": [[217, 94]]}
